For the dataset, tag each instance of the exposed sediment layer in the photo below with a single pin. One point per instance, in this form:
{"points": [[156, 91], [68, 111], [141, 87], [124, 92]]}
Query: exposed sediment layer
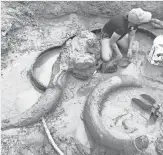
{"points": [[94, 103]]}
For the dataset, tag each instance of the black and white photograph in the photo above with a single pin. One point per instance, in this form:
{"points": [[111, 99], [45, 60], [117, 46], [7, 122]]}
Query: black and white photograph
{"points": [[81, 77]]}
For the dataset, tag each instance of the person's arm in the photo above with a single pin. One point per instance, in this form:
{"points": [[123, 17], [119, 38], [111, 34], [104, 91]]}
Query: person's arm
{"points": [[113, 43], [130, 42], [156, 23], [131, 38]]}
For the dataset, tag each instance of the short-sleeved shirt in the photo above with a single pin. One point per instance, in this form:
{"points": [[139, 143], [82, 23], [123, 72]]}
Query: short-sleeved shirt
{"points": [[118, 24]]}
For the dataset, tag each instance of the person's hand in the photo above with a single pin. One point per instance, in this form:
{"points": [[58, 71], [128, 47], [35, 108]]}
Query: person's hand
{"points": [[129, 53], [156, 23]]}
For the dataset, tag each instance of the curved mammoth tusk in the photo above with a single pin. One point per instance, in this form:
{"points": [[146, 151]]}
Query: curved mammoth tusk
{"points": [[46, 103], [92, 117]]}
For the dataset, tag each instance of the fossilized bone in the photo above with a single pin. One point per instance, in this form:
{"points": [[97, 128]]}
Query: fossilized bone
{"points": [[68, 61]]}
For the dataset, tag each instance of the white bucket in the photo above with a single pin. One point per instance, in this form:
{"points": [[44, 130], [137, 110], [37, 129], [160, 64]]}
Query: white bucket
{"points": [[155, 56], [158, 40]]}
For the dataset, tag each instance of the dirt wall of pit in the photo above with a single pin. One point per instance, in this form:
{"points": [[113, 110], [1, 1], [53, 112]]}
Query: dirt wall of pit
{"points": [[97, 8], [30, 26]]}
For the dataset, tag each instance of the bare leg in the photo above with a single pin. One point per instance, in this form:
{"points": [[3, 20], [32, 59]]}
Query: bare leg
{"points": [[106, 51], [106, 55], [123, 43]]}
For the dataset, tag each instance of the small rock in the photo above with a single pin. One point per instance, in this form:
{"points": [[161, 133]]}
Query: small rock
{"points": [[159, 146]]}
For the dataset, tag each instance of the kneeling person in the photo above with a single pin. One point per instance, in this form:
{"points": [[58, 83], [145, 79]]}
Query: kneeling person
{"points": [[120, 30]]}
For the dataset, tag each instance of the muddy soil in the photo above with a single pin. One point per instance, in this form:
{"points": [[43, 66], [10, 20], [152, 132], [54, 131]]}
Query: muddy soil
{"points": [[33, 26], [28, 29], [66, 121]]}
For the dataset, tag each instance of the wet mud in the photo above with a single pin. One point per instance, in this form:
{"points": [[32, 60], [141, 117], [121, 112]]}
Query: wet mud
{"points": [[67, 120]]}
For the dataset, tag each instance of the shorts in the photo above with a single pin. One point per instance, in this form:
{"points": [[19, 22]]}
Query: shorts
{"points": [[104, 35]]}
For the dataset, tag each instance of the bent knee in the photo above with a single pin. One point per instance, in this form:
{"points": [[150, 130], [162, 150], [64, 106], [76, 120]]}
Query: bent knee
{"points": [[106, 54], [123, 43], [106, 58]]}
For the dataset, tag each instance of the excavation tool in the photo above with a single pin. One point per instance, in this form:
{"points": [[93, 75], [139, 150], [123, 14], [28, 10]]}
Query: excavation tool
{"points": [[148, 103], [155, 113]]}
